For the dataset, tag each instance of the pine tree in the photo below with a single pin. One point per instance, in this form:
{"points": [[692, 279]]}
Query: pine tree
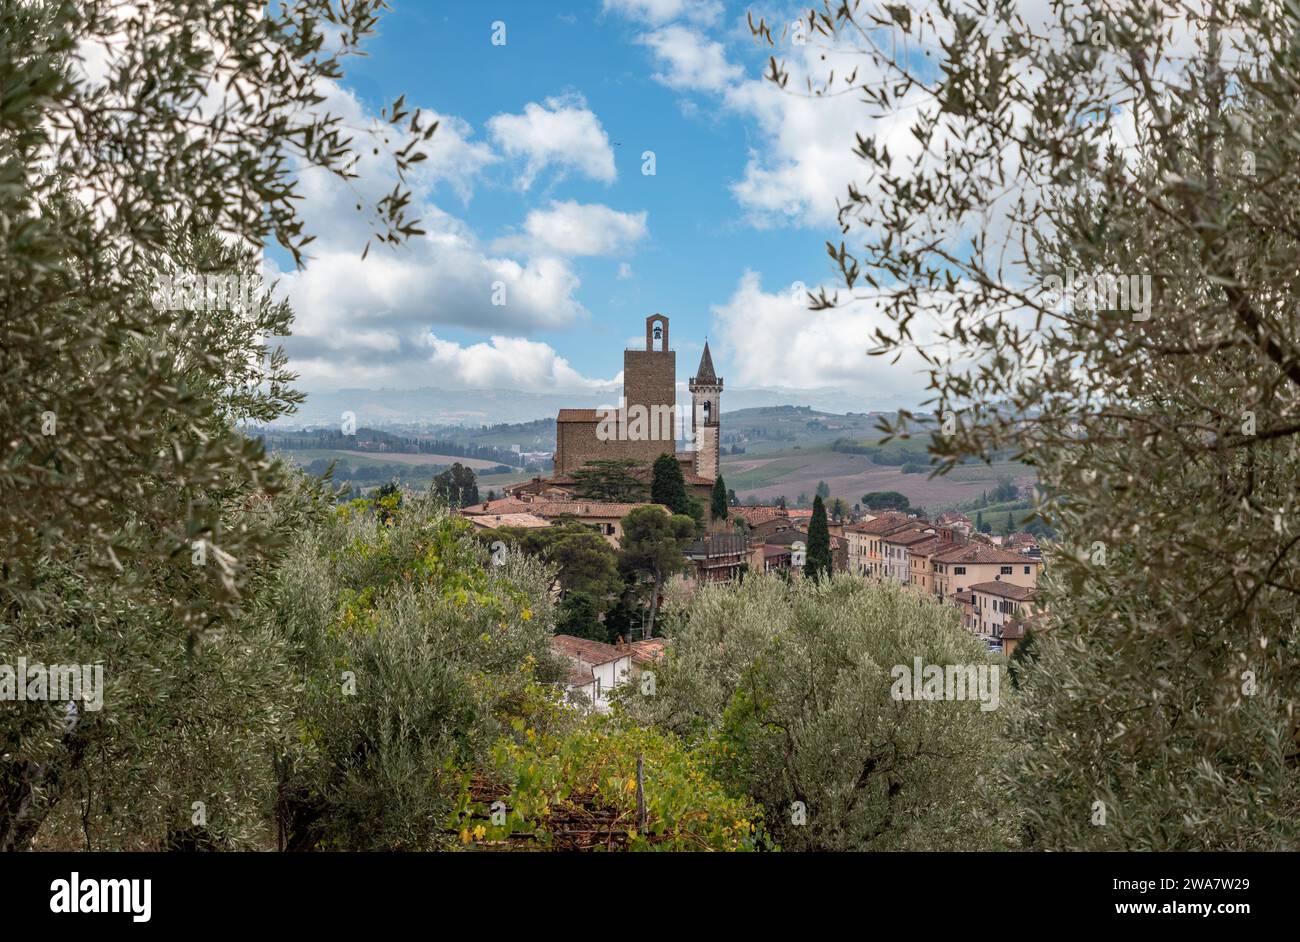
{"points": [[718, 508], [668, 487], [818, 563]]}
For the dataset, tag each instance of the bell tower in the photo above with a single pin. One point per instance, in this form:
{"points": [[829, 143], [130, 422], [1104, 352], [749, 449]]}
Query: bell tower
{"points": [[706, 416], [650, 388]]}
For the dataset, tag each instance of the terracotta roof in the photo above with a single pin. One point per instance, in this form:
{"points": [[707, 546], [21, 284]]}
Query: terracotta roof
{"points": [[1004, 590], [587, 508], [965, 597], [908, 537], [591, 653], [580, 676], [648, 651], [493, 521], [978, 553], [756, 515], [887, 523], [770, 550], [578, 415], [929, 546], [502, 505]]}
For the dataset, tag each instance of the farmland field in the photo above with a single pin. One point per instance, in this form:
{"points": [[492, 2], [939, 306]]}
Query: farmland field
{"points": [[796, 472]]}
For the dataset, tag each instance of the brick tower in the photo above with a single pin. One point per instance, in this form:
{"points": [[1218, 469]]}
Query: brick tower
{"points": [[650, 381], [706, 413]]}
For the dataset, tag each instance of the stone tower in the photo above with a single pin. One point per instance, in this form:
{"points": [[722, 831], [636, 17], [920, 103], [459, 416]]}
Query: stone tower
{"points": [[650, 382], [706, 414]]}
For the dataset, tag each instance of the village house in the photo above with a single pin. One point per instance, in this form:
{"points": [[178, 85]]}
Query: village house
{"points": [[497, 521], [965, 565], [605, 516], [895, 546], [919, 573], [595, 670], [1015, 631], [762, 522], [995, 605], [768, 557], [718, 557], [868, 558]]}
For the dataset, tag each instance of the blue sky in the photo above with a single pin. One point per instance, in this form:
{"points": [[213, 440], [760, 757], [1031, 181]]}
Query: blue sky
{"points": [[535, 182]]}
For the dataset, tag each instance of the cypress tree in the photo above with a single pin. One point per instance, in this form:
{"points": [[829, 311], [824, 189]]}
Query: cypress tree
{"points": [[718, 508], [818, 563], [667, 486]]}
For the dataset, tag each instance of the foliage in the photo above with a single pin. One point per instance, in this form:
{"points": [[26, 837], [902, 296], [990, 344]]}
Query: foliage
{"points": [[667, 486], [456, 487], [415, 652], [818, 563], [1161, 419], [885, 500], [555, 786], [652, 546], [790, 684], [142, 142], [719, 507], [611, 479], [578, 615], [583, 559]]}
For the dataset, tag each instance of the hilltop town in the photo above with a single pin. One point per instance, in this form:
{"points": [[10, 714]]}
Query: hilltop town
{"points": [[990, 580]]}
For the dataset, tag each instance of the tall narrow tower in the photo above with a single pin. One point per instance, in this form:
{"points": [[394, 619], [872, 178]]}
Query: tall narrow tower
{"points": [[706, 413], [650, 385]]}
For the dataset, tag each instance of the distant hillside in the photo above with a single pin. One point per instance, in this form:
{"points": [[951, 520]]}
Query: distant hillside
{"points": [[377, 441]]}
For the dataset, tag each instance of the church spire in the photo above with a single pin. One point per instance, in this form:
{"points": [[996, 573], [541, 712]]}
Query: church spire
{"points": [[705, 374]]}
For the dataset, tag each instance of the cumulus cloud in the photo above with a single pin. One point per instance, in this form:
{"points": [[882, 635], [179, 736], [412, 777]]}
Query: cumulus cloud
{"points": [[509, 362], [369, 321], [562, 133], [571, 229], [661, 11], [688, 61], [770, 338]]}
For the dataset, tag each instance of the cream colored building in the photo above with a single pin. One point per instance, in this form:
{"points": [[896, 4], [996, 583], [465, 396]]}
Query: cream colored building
{"points": [[959, 568]]}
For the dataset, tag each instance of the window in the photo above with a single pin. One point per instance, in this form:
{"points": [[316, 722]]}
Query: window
{"points": [[1027, 570], [959, 570], [1006, 570]]}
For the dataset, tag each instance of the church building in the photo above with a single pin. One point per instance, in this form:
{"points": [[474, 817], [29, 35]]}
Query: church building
{"points": [[645, 424]]}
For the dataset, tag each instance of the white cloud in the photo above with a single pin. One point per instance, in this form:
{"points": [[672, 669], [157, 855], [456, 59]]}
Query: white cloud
{"points": [[561, 133], [802, 172], [688, 60], [661, 11], [570, 228], [624, 270], [368, 321], [774, 340], [508, 362]]}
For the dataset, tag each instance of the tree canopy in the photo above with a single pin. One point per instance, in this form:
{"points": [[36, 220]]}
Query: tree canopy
{"points": [[1110, 251]]}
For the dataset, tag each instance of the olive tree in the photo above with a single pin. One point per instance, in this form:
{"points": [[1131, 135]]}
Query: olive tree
{"points": [[799, 688], [138, 143], [1091, 237]]}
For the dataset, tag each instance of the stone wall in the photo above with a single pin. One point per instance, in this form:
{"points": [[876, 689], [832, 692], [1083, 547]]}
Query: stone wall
{"points": [[650, 380]]}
